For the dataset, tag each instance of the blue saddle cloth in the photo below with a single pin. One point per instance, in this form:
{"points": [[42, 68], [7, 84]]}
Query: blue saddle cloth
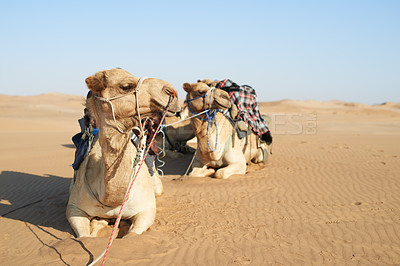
{"points": [[82, 148], [82, 144]]}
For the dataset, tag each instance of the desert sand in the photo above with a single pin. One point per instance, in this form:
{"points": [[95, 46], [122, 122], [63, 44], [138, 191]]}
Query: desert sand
{"points": [[329, 193]]}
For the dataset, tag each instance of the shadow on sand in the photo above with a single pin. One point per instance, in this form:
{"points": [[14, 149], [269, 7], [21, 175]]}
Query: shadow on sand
{"points": [[38, 200], [70, 146], [176, 166]]}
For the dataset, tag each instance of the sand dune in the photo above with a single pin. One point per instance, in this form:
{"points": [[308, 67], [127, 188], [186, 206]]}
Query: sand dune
{"points": [[329, 193]]}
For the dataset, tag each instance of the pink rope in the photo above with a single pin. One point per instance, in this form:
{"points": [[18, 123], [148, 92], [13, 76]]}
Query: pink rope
{"points": [[130, 187]]}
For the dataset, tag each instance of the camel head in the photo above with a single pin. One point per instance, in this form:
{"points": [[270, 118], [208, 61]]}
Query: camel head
{"points": [[127, 98], [214, 98]]}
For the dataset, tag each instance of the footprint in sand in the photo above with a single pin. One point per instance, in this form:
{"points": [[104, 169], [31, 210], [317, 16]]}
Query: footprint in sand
{"points": [[242, 260]]}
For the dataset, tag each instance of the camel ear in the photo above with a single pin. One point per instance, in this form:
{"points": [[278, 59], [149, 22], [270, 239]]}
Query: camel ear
{"points": [[96, 83], [187, 87]]}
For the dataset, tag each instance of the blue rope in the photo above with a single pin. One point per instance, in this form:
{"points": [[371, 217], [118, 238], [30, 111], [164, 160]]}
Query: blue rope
{"points": [[216, 133], [190, 109], [209, 115]]}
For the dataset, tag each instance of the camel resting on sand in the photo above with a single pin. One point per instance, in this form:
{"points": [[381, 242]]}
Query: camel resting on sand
{"points": [[220, 151], [99, 185]]}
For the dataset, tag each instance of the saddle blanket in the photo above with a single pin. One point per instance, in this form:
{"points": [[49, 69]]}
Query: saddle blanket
{"points": [[245, 98]]}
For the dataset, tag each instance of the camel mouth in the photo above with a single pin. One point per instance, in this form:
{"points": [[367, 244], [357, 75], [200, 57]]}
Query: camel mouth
{"points": [[171, 113], [173, 109], [222, 103]]}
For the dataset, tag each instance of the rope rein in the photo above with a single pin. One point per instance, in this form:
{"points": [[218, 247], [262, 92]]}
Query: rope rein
{"points": [[140, 156], [210, 115], [190, 117], [108, 100]]}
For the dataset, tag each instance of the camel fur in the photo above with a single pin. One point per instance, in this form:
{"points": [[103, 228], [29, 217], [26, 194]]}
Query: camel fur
{"points": [[100, 184], [231, 153]]}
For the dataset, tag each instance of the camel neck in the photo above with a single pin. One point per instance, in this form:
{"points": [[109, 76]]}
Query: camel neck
{"points": [[205, 132], [118, 154]]}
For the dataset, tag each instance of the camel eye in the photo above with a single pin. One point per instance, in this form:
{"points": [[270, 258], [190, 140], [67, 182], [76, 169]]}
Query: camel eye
{"points": [[126, 87]]}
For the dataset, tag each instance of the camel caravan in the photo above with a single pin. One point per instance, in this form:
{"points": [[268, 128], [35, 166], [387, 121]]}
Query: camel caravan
{"points": [[128, 120]]}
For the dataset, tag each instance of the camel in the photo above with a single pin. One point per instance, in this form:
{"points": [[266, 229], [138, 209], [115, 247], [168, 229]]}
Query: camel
{"points": [[220, 152], [177, 134], [99, 185]]}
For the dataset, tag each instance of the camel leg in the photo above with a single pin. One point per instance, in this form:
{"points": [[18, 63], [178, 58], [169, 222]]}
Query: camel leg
{"points": [[236, 165], [79, 221], [235, 168], [201, 170], [97, 225], [157, 184], [142, 221]]}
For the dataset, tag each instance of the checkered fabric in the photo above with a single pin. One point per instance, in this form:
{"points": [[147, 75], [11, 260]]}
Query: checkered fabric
{"points": [[245, 98]]}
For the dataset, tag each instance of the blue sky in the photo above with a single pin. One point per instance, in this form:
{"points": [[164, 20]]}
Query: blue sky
{"points": [[323, 50]]}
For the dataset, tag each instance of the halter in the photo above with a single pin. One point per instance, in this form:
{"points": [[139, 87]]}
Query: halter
{"points": [[209, 115], [108, 100], [138, 161]]}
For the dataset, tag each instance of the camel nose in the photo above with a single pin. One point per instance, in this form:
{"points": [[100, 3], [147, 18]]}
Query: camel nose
{"points": [[175, 106]]}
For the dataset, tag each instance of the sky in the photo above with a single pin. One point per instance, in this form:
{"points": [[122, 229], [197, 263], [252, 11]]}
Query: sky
{"points": [[288, 49]]}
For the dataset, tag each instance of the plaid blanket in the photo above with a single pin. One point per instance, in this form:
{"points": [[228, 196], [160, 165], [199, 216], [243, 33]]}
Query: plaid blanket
{"points": [[245, 98]]}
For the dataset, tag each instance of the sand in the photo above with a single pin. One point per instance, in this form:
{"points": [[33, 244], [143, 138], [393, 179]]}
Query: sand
{"points": [[329, 193]]}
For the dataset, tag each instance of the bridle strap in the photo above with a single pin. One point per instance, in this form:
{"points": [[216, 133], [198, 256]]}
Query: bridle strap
{"points": [[207, 111], [108, 100], [209, 115]]}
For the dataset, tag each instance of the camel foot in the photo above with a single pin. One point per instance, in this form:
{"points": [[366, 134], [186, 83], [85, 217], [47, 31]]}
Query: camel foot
{"points": [[97, 225], [142, 221], [201, 172], [157, 184], [79, 221], [226, 172]]}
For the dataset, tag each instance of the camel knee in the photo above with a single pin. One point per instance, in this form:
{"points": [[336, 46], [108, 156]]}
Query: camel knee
{"points": [[201, 172], [142, 221], [79, 221], [226, 172]]}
